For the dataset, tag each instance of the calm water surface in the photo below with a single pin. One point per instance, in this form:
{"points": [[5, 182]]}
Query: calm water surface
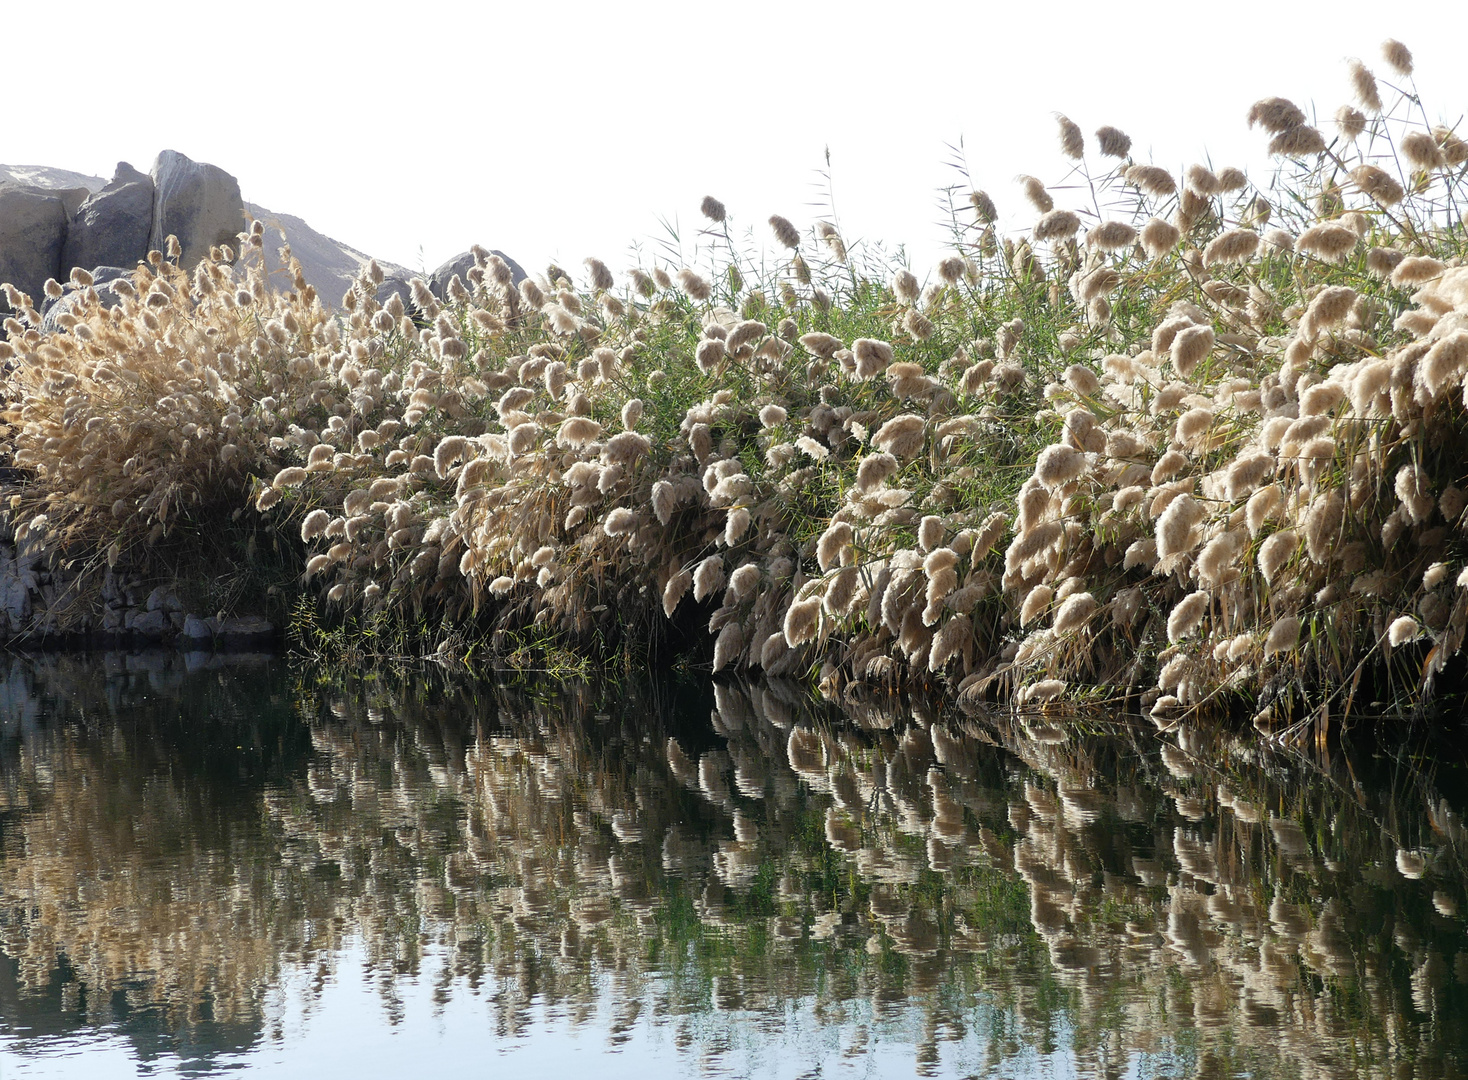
{"points": [[259, 869]]}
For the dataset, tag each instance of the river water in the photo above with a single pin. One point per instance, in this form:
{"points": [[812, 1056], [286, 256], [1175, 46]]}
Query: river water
{"points": [[245, 866]]}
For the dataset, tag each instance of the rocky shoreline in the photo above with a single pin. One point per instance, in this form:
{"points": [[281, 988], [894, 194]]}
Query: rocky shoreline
{"points": [[36, 595], [134, 615]]}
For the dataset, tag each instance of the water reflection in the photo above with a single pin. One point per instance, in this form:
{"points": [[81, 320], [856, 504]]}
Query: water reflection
{"points": [[780, 888]]}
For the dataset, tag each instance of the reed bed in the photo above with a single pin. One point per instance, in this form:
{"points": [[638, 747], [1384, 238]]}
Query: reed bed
{"points": [[1195, 438]]}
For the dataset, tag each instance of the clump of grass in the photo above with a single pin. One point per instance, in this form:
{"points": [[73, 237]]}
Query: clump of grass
{"points": [[1198, 438]]}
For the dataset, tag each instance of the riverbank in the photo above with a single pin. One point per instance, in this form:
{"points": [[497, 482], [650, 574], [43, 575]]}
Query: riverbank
{"points": [[1195, 443]]}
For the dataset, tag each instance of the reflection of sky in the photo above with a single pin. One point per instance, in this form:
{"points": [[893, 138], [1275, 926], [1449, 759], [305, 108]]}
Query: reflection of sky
{"points": [[345, 1027]]}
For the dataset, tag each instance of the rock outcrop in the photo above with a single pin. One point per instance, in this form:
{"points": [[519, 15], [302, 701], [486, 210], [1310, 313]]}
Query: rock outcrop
{"points": [[52, 220], [32, 234], [198, 203], [113, 225]]}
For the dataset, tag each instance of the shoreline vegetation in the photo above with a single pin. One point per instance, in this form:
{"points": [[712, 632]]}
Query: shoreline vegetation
{"points": [[1194, 442]]}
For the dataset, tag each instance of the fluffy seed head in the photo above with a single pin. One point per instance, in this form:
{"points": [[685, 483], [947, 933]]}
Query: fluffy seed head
{"points": [[1187, 616], [1057, 225], [784, 231], [1277, 550], [1200, 180], [1284, 635], [1329, 308], [314, 524], [1444, 365], [1329, 241], [949, 641], [708, 577], [1168, 466], [1234, 246], [872, 356], [736, 526], [834, 545], [1297, 142], [601, 277], [1378, 184], [712, 209], [1175, 528], [1403, 630], [1037, 601], [1455, 149], [930, 532], [1216, 560], [1159, 237], [674, 590], [631, 413], [1059, 464], [619, 522], [1075, 612], [802, 620], [696, 287], [1112, 236], [1152, 179], [772, 416], [1323, 525], [906, 287], [1262, 506], [1113, 143], [1414, 488], [902, 436], [1422, 150], [577, 431], [728, 645], [820, 344], [743, 581], [1275, 114], [1363, 83], [1189, 348], [1072, 142], [1035, 191], [290, 477], [1082, 380], [873, 470], [1416, 270], [1398, 56], [1351, 122], [811, 448]]}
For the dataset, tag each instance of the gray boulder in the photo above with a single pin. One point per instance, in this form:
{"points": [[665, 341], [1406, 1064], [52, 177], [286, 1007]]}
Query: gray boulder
{"points": [[112, 227], [242, 628], [438, 282], [396, 283], [32, 233], [231, 633], [200, 204], [149, 624], [102, 279]]}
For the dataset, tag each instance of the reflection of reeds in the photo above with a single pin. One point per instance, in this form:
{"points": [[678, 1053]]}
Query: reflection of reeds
{"points": [[1198, 439], [559, 840]]}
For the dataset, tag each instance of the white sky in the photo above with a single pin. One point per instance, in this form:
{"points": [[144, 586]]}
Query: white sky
{"points": [[566, 129]]}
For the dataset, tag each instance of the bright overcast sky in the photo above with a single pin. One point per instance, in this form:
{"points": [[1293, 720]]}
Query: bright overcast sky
{"points": [[561, 130]]}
